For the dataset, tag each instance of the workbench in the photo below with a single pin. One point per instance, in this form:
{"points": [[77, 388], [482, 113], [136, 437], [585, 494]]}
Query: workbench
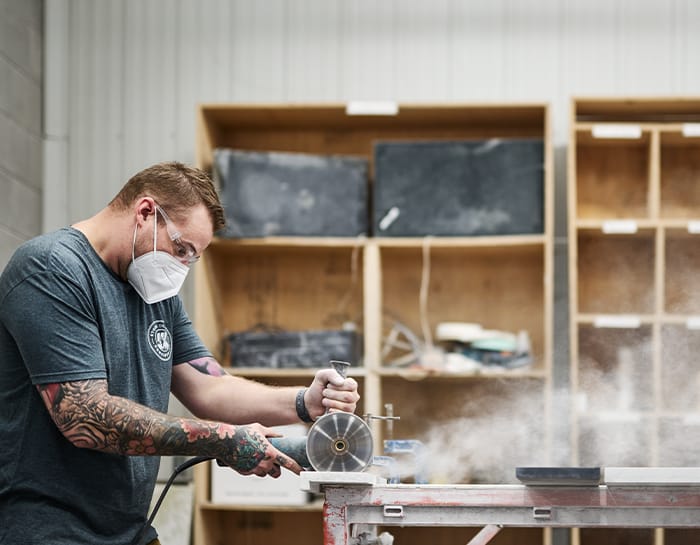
{"points": [[356, 504]]}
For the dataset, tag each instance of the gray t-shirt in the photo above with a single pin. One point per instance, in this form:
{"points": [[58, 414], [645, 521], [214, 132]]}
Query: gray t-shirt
{"points": [[65, 316]]}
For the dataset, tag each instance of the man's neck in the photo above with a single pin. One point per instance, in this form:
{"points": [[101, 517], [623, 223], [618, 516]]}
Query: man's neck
{"points": [[105, 231]]}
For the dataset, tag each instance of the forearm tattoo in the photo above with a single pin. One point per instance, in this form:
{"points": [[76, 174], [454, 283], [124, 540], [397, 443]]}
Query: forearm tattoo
{"points": [[89, 417], [208, 366]]}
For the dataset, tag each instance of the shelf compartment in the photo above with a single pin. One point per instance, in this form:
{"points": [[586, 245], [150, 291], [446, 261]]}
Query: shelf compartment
{"points": [[680, 369], [612, 176], [474, 431], [616, 536], [615, 369], [615, 441], [680, 176], [616, 272], [678, 440], [261, 526], [681, 536], [682, 281], [500, 288], [293, 288]]}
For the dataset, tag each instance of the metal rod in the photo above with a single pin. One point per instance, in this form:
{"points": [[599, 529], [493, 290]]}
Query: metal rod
{"points": [[486, 534]]}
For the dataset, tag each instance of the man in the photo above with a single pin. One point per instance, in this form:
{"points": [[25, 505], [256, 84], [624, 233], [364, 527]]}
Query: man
{"points": [[93, 337]]}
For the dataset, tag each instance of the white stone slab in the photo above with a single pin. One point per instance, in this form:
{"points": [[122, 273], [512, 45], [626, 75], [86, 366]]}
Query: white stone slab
{"points": [[314, 481], [651, 476]]}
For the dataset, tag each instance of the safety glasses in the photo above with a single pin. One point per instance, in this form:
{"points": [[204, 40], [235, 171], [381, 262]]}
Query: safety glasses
{"points": [[184, 251]]}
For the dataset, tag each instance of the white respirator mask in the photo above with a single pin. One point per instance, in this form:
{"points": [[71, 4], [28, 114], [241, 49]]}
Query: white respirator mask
{"points": [[156, 275]]}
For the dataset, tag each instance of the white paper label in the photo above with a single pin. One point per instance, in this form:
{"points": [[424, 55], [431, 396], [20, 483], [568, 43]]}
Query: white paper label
{"points": [[618, 416], [691, 130], [371, 107], [694, 227], [616, 131], [619, 227], [691, 419], [693, 322], [617, 321], [389, 218]]}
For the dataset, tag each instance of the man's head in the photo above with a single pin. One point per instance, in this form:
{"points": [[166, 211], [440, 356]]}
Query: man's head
{"points": [[176, 188], [175, 211]]}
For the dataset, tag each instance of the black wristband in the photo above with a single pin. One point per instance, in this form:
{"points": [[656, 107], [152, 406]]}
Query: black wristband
{"points": [[302, 413]]}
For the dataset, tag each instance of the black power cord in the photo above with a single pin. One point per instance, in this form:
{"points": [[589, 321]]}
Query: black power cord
{"points": [[179, 469]]}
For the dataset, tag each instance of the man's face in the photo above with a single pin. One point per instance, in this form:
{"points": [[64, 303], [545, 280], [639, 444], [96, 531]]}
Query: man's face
{"points": [[184, 237]]}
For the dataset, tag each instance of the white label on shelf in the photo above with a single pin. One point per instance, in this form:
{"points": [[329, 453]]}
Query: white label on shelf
{"points": [[618, 416], [624, 227], [691, 130], [691, 419], [389, 218], [694, 227], [372, 107], [693, 322], [616, 131], [581, 402], [622, 321]]}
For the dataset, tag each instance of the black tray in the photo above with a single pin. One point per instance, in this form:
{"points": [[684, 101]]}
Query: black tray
{"points": [[559, 476]]}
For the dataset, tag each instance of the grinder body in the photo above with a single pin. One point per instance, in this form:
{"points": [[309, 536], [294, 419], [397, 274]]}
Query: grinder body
{"points": [[339, 441]]}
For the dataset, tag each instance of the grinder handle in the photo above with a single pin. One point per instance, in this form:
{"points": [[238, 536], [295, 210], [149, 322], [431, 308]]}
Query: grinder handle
{"points": [[341, 367]]}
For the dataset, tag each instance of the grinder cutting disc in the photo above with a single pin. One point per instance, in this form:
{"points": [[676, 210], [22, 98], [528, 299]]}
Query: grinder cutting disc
{"points": [[339, 442]]}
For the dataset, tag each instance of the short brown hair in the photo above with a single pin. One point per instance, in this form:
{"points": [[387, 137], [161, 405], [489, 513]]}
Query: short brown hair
{"points": [[176, 187]]}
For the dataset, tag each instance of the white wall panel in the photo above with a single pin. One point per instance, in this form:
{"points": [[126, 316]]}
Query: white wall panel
{"points": [[260, 46], [422, 52], [477, 42], [150, 82], [138, 69], [531, 55], [367, 65], [313, 51], [589, 44], [645, 59], [205, 60], [687, 46]]}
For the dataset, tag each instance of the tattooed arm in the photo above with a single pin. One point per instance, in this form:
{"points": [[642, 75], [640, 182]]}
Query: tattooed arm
{"points": [[89, 417], [209, 392]]}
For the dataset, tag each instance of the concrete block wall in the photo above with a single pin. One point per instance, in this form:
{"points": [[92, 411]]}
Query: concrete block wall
{"points": [[21, 23]]}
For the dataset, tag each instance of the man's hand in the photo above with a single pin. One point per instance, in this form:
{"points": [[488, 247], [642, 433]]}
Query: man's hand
{"points": [[249, 452], [331, 391]]}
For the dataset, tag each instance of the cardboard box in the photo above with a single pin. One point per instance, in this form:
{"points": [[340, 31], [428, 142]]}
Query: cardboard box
{"points": [[230, 487]]}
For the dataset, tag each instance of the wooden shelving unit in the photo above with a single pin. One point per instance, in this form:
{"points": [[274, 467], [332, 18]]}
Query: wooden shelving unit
{"points": [[634, 191], [502, 282]]}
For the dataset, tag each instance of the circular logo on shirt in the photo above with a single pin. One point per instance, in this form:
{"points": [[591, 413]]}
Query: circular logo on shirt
{"points": [[159, 340]]}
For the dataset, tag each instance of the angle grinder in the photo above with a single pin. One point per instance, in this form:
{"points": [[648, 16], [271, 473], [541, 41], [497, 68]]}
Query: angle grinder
{"points": [[339, 441]]}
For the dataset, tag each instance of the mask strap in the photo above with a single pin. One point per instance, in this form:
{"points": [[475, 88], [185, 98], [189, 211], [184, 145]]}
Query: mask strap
{"points": [[133, 242], [155, 229], [155, 236]]}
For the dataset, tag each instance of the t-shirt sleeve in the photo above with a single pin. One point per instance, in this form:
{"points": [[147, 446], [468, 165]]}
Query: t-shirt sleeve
{"points": [[186, 343], [51, 319]]}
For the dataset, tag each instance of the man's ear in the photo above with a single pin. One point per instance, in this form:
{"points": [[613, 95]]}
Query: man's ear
{"points": [[144, 206]]}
